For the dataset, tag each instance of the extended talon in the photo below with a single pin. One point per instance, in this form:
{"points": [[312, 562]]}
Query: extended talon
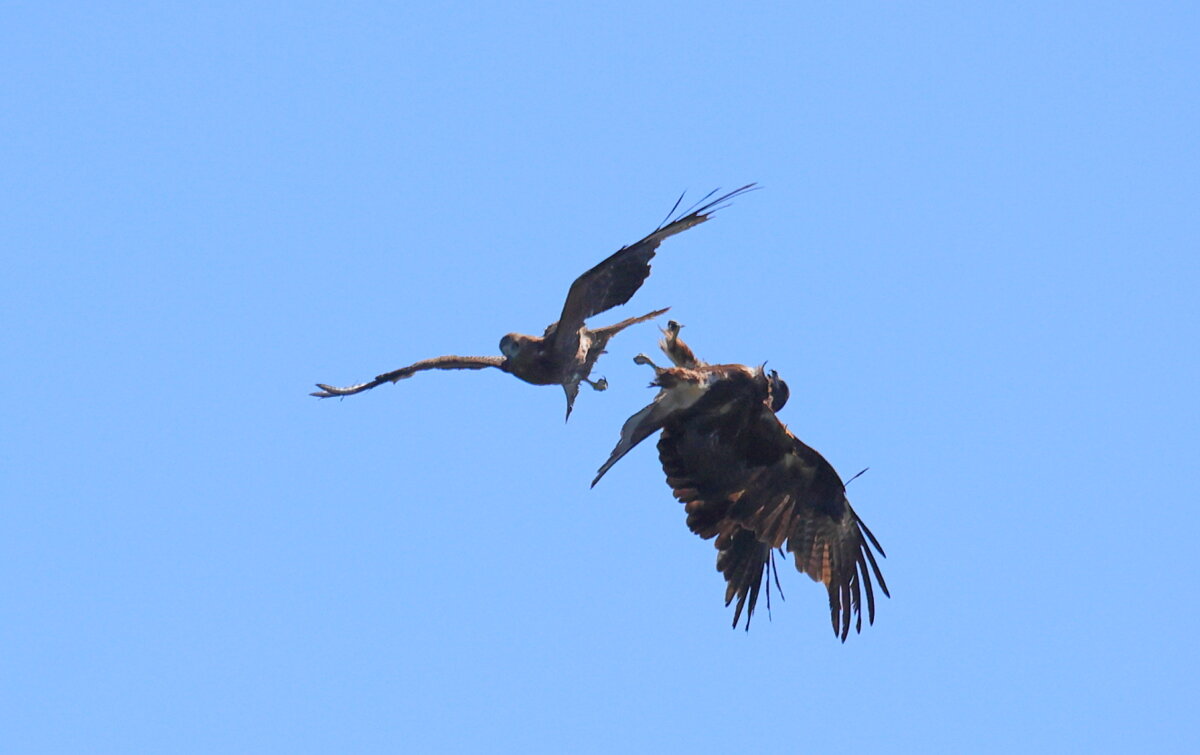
{"points": [[598, 385], [643, 359]]}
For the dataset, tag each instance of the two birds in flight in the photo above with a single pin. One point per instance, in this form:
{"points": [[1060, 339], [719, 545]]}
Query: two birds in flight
{"points": [[743, 477]]}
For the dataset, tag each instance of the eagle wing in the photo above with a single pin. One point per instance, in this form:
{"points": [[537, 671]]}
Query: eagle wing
{"points": [[436, 363], [640, 426], [684, 392], [752, 485], [615, 280]]}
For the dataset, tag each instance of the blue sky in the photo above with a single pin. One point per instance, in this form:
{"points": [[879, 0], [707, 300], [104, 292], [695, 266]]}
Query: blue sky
{"points": [[974, 259]]}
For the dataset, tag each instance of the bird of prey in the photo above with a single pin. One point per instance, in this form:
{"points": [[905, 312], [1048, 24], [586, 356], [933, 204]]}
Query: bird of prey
{"points": [[747, 481], [565, 354]]}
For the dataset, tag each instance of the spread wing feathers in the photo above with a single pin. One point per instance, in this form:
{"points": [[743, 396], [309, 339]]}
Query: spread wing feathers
{"points": [[436, 363], [615, 280], [745, 561], [755, 487]]}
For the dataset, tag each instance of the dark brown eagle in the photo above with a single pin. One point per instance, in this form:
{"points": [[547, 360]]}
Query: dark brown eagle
{"points": [[565, 354], [747, 481]]}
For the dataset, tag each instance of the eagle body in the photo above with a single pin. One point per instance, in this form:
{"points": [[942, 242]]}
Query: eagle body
{"points": [[750, 485]]}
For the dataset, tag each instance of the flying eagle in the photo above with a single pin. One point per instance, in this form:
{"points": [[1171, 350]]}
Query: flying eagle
{"points": [[565, 354], [747, 481]]}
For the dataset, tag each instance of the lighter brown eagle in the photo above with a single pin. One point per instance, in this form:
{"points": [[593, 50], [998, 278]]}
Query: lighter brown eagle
{"points": [[567, 351]]}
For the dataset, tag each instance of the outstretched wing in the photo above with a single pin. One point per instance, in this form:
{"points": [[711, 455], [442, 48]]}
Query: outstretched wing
{"points": [[756, 487], [437, 363], [636, 429], [615, 280]]}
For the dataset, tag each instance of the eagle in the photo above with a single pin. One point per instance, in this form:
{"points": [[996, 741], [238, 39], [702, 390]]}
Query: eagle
{"points": [[747, 481], [567, 351]]}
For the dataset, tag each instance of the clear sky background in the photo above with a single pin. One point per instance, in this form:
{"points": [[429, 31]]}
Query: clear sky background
{"points": [[974, 259]]}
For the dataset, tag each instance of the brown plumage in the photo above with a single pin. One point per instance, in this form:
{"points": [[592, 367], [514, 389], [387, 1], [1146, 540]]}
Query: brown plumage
{"points": [[566, 353], [748, 482]]}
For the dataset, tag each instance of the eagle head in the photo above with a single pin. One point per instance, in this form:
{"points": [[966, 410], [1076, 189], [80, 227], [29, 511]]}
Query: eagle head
{"points": [[778, 390], [510, 345]]}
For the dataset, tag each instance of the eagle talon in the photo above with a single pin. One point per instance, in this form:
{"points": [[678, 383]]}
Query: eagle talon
{"points": [[598, 385]]}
